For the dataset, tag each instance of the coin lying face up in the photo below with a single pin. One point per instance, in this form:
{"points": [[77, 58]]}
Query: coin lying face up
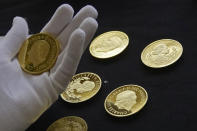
{"points": [[82, 87], [109, 44], [126, 100], [38, 53], [70, 123], [161, 53]]}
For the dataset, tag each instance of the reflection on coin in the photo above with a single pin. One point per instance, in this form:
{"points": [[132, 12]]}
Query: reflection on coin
{"points": [[126, 100], [82, 87], [161, 53], [70, 123], [38, 53], [109, 44]]}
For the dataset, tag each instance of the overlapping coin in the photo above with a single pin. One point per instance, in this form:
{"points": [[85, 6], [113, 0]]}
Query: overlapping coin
{"points": [[109, 44], [38, 53], [70, 123], [125, 100], [82, 87], [161, 53]]}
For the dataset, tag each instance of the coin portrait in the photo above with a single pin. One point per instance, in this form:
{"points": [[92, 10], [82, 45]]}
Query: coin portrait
{"points": [[109, 44], [161, 53], [38, 53], [69, 123], [125, 100], [82, 87]]}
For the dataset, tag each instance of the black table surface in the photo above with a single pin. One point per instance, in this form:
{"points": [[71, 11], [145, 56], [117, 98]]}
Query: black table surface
{"points": [[172, 91]]}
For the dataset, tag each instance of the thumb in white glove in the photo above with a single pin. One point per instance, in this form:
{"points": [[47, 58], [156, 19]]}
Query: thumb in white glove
{"points": [[24, 97]]}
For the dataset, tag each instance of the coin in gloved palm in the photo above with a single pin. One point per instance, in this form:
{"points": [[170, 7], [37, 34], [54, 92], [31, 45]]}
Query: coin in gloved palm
{"points": [[38, 53]]}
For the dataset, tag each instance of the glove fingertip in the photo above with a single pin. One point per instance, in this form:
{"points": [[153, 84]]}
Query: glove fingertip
{"points": [[91, 10], [89, 23], [66, 8], [78, 34], [20, 26]]}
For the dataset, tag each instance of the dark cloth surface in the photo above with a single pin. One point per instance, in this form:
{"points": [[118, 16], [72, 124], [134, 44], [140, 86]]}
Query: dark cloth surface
{"points": [[172, 91]]}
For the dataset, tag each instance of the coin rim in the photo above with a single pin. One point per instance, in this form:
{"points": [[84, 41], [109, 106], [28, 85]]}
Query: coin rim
{"points": [[175, 60], [54, 61], [130, 113], [77, 117], [88, 98], [102, 35]]}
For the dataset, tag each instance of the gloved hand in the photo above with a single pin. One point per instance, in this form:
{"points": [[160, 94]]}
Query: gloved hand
{"points": [[24, 97]]}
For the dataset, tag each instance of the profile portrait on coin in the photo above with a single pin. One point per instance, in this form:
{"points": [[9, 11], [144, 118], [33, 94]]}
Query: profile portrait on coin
{"points": [[38, 52], [80, 85], [108, 44], [162, 53], [126, 100]]}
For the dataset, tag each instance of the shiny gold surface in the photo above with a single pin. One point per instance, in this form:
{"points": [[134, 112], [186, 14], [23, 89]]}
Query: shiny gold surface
{"points": [[82, 87], [109, 44], [70, 123], [125, 100], [38, 53], [161, 53]]}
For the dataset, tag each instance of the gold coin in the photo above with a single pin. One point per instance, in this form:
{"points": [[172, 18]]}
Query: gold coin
{"points": [[161, 53], [126, 100], [109, 44], [38, 53], [70, 123], [82, 87]]}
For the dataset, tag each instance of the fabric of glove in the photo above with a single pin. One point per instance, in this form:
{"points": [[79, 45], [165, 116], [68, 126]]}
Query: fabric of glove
{"points": [[24, 97]]}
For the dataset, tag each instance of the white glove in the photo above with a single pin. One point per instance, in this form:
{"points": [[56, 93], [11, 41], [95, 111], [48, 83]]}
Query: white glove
{"points": [[24, 97]]}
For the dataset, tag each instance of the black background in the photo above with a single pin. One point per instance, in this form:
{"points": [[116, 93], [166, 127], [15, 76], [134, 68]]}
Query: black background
{"points": [[172, 91]]}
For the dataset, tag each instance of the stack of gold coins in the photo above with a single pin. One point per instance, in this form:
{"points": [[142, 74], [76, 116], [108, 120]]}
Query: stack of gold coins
{"points": [[38, 53]]}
